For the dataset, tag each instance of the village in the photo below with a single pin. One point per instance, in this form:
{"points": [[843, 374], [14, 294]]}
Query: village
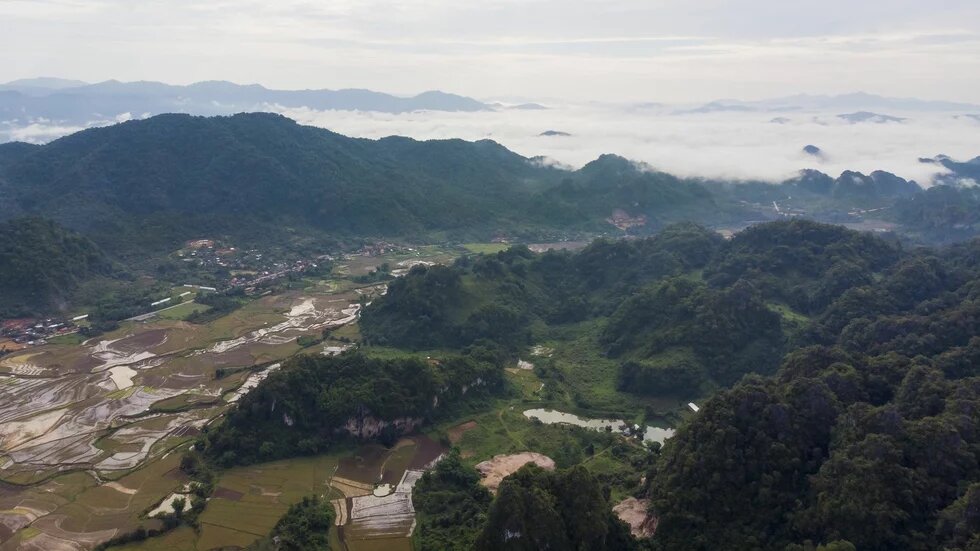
{"points": [[248, 271], [16, 334]]}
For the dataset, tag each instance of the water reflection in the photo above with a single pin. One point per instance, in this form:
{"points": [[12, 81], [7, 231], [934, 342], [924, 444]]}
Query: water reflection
{"points": [[550, 416]]}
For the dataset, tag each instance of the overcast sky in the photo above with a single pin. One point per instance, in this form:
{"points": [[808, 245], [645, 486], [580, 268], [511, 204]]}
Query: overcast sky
{"points": [[608, 50]]}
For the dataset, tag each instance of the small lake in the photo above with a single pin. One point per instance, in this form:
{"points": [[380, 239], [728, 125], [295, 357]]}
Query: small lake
{"points": [[550, 416]]}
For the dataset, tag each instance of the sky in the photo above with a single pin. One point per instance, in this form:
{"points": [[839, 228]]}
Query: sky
{"points": [[577, 50]]}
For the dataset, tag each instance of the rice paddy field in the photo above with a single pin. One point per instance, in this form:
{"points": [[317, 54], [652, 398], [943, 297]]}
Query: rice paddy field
{"points": [[248, 501], [92, 429]]}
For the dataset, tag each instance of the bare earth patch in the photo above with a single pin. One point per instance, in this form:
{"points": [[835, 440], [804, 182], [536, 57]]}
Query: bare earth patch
{"points": [[502, 466], [456, 433], [120, 488], [635, 512]]}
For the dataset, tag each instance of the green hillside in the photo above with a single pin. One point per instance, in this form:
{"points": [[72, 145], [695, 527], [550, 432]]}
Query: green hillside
{"points": [[41, 264], [147, 185]]}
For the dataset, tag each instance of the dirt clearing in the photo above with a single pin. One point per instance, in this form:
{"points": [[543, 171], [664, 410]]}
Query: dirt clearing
{"points": [[502, 466], [635, 512], [456, 433]]}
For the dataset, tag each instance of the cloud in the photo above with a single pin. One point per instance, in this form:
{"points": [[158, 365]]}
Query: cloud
{"points": [[723, 145], [742, 146]]}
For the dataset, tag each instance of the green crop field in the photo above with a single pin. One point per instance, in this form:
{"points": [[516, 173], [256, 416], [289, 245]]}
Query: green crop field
{"points": [[486, 248], [182, 311]]}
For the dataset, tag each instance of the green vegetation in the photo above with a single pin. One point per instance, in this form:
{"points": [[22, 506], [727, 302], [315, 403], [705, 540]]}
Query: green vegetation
{"points": [[142, 188], [943, 214], [498, 298], [42, 264], [679, 334], [534, 509], [451, 506], [868, 440], [801, 263], [564, 510], [304, 527], [486, 248], [216, 305], [849, 419], [671, 332], [314, 401], [184, 311]]}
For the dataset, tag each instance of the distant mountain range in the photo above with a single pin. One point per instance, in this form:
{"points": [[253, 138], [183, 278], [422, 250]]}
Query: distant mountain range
{"points": [[858, 101], [78, 103], [868, 116]]}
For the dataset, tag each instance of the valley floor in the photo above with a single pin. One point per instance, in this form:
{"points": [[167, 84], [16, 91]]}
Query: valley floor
{"points": [[93, 432]]}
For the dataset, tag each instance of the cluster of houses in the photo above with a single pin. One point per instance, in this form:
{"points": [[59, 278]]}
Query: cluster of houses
{"points": [[30, 331], [279, 270], [249, 268]]}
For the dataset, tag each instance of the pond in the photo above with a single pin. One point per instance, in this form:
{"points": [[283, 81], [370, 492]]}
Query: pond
{"points": [[550, 416]]}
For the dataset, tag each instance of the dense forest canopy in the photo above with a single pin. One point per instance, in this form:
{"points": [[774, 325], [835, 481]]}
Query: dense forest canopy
{"points": [[869, 438], [682, 310], [534, 509], [41, 263], [316, 401], [564, 510]]}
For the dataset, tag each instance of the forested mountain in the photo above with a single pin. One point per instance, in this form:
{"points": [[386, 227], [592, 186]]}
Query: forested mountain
{"points": [[149, 184], [141, 188], [316, 401], [679, 310], [869, 437], [965, 173], [534, 509], [41, 263], [944, 213], [174, 176], [821, 194], [14, 151]]}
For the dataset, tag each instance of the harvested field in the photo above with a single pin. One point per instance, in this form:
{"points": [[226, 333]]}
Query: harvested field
{"points": [[350, 488]]}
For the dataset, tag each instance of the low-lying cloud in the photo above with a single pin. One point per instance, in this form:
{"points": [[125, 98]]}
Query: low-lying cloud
{"points": [[762, 146], [742, 146]]}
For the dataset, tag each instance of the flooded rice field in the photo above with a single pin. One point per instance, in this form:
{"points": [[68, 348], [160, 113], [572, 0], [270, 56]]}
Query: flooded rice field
{"points": [[376, 510], [126, 399]]}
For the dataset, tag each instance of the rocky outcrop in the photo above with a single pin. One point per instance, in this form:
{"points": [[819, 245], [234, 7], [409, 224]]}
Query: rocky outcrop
{"points": [[369, 426]]}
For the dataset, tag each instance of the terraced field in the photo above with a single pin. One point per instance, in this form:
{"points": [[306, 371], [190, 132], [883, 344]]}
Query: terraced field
{"points": [[248, 501], [81, 421]]}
